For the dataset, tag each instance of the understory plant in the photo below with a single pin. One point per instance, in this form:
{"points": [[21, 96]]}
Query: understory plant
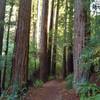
{"points": [[88, 91], [38, 83], [69, 81]]}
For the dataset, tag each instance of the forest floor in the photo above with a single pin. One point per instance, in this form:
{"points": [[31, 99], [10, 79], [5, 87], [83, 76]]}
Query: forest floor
{"points": [[52, 90]]}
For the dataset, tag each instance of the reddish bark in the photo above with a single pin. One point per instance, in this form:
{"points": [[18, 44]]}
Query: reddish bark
{"points": [[20, 59], [43, 42], [79, 41], [51, 37]]}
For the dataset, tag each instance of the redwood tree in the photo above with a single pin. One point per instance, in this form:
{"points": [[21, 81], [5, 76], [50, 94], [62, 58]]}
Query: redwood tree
{"points": [[65, 33], [20, 58], [53, 70], [51, 36], [43, 42], [79, 41], [70, 39]]}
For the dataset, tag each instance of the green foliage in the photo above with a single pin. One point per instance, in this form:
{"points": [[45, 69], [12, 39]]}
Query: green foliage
{"points": [[14, 93], [33, 61], [38, 83], [69, 81], [1, 62], [88, 91], [91, 53], [96, 97], [7, 96], [51, 78]]}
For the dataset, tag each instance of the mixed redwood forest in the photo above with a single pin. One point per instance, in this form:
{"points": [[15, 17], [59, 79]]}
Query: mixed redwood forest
{"points": [[49, 49]]}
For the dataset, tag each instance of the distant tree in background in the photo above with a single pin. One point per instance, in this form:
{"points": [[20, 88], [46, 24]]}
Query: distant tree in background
{"points": [[50, 44], [2, 16], [70, 39], [7, 44], [53, 70], [65, 40]]}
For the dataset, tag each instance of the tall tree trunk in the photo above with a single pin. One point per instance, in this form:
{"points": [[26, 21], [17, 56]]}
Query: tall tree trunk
{"points": [[50, 35], [43, 42], [87, 14], [7, 44], [34, 38], [38, 26], [20, 58], [69, 39], [65, 36], [79, 41], [53, 70], [2, 16]]}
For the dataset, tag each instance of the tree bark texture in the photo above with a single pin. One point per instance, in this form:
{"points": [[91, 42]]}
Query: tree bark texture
{"points": [[50, 36], [79, 41], [43, 42], [20, 58]]}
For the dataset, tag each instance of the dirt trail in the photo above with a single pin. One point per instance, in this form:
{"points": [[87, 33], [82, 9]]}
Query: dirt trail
{"points": [[52, 90]]}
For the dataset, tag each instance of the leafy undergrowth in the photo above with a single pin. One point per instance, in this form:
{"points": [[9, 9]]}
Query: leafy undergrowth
{"points": [[69, 81], [17, 93], [38, 83], [89, 91]]}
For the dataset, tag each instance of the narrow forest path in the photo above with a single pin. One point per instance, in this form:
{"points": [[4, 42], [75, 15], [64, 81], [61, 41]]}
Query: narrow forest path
{"points": [[52, 90]]}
